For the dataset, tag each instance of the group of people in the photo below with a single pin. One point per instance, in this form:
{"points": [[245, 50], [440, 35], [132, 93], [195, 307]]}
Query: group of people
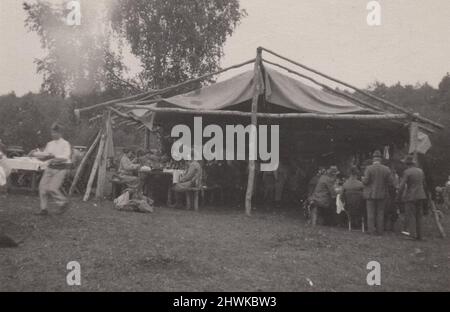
{"points": [[131, 163], [379, 191], [373, 198]]}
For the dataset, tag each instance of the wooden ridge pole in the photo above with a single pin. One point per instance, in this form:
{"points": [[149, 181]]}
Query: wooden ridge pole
{"points": [[273, 115], [378, 99], [94, 168], [84, 162], [162, 91], [253, 137], [154, 93], [111, 102]]}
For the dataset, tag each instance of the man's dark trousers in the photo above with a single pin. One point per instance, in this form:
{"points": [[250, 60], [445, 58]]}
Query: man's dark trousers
{"points": [[375, 215], [414, 213]]}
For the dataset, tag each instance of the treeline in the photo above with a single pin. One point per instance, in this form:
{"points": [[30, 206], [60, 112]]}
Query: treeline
{"points": [[432, 103], [25, 121]]}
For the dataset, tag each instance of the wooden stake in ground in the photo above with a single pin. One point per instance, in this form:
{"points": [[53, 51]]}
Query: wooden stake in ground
{"points": [[253, 143], [83, 163], [437, 216], [94, 168]]}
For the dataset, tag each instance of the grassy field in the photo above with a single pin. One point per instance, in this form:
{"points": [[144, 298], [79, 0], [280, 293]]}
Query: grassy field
{"points": [[213, 250]]}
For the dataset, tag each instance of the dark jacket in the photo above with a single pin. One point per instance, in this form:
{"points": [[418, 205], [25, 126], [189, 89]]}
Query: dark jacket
{"points": [[377, 180], [353, 195], [412, 185], [324, 192]]}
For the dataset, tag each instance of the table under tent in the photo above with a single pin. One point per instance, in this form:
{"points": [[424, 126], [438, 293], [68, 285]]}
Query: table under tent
{"points": [[318, 123]]}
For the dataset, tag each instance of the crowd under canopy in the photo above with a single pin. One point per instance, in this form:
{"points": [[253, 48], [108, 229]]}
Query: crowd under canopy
{"points": [[319, 124]]}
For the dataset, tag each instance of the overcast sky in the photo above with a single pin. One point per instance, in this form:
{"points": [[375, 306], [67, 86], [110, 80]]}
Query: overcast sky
{"points": [[411, 45]]}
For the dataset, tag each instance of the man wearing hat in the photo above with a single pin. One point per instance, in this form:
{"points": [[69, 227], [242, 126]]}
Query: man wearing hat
{"points": [[377, 181], [323, 197], [58, 154], [412, 193]]}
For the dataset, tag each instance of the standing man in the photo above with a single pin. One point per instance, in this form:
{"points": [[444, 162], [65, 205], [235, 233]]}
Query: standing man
{"points": [[377, 181], [412, 193], [57, 153]]}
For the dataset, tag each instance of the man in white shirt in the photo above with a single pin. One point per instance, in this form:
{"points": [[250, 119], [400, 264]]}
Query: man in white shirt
{"points": [[58, 154]]}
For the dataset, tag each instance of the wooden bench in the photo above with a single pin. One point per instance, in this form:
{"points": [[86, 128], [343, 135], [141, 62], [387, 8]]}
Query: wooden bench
{"points": [[192, 197]]}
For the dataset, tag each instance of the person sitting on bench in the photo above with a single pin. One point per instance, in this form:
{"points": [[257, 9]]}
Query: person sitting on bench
{"points": [[191, 178], [127, 170]]}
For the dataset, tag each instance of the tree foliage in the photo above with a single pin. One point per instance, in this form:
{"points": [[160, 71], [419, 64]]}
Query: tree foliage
{"points": [[174, 40], [78, 59], [177, 39], [429, 102]]}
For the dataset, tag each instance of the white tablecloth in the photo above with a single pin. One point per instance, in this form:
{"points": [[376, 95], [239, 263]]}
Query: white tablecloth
{"points": [[176, 174], [24, 163]]}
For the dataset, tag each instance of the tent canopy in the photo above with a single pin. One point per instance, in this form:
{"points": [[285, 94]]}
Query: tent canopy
{"points": [[280, 90]]}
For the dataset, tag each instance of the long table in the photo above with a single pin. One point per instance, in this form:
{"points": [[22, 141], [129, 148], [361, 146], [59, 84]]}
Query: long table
{"points": [[21, 167], [156, 183]]}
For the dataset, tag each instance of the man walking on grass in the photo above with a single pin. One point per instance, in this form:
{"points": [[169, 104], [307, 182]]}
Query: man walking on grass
{"points": [[57, 153]]}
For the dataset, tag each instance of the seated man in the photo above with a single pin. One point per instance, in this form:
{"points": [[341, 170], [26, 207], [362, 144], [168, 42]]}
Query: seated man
{"points": [[127, 169], [353, 198], [192, 177], [324, 197]]}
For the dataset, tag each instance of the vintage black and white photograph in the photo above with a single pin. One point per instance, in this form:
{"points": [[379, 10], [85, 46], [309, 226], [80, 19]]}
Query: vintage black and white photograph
{"points": [[224, 146]]}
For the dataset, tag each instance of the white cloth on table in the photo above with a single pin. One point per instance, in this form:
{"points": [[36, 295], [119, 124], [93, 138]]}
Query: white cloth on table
{"points": [[176, 174], [2, 176], [24, 163]]}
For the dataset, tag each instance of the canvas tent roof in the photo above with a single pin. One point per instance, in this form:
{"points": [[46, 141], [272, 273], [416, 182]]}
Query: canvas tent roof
{"points": [[284, 96], [280, 90]]}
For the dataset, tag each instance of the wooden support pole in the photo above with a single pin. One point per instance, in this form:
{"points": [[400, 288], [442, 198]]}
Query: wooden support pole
{"points": [[101, 176], [274, 115], [94, 168], [146, 139], [154, 93], [437, 214], [84, 162], [109, 103], [413, 139], [171, 88], [376, 98], [253, 139]]}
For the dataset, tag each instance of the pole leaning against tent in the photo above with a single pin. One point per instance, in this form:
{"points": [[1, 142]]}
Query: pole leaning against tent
{"points": [[94, 168], [373, 97], [253, 143], [101, 175], [84, 162]]}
